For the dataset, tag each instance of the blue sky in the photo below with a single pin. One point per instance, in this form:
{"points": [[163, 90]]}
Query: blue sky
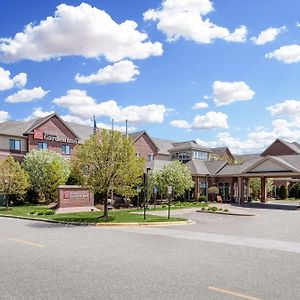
{"points": [[239, 60]]}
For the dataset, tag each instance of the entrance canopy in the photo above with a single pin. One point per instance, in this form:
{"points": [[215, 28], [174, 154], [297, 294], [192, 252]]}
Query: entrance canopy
{"points": [[268, 166]]}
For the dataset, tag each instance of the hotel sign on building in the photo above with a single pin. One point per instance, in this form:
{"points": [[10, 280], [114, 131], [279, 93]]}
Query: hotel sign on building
{"points": [[39, 134]]}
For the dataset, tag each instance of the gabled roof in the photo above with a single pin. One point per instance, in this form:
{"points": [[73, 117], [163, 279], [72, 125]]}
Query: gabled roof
{"points": [[15, 128], [219, 150], [136, 135], [201, 167], [41, 121], [295, 147], [163, 145]]}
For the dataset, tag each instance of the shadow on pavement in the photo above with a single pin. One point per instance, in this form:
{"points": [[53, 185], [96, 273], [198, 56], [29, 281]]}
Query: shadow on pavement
{"points": [[279, 206]]}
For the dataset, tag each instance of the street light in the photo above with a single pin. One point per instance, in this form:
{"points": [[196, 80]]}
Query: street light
{"points": [[169, 200], [145, 191]]}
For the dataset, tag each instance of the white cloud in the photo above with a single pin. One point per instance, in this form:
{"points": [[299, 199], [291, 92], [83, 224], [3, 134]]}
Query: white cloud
{"points": [[80, 104], [6, 82], [288, 54], [268, 35], [82, 30], [184, 19], [200, 105], [4, 116], [286, 108], [210, 120], [257, 139], [27, 95], [225, 93], [20, 80], [120, 72], [38, 113]]}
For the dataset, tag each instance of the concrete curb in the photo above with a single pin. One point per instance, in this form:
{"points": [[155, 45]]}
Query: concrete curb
{"points": [[188, 222], [226, 213]]}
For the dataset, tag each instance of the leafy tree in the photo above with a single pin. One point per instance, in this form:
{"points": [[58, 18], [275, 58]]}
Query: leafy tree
{"points": [[107, 162], [47, 170], [13, 178], [75, 177], [295, 191], [255, 186], [283, 192], [176, 175]]}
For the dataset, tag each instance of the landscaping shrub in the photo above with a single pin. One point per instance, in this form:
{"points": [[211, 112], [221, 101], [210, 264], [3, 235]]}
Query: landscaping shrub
{"points": [[283, 192], [226, 210], [202, 199], [203, 208], [294, 191]]}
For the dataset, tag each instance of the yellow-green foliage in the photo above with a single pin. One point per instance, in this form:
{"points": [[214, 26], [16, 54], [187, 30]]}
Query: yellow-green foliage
{"points": [[13, 178]]}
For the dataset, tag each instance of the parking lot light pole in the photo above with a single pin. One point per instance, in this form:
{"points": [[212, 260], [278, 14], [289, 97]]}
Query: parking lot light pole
{"points": [[169, 202]]}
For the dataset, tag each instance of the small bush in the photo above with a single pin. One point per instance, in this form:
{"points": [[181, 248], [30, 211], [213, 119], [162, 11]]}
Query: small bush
{"points": [[202, 199], [203, 208], [40, 213], [49, 212], [220, 209], [226, 210], [33, 212], [283, 192], [214, 208]]}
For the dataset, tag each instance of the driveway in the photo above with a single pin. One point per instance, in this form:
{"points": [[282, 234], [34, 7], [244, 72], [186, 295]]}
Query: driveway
{"points": [[218, 257]]}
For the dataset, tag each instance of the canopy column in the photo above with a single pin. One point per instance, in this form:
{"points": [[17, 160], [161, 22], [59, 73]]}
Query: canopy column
{"points": [[263, 189]]}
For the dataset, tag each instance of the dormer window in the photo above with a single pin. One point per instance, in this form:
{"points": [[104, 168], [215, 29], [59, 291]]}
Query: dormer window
{"points": [[200, 155]]}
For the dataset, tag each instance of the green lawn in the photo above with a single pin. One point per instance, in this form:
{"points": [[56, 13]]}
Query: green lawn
{"points": [[122, 216]]}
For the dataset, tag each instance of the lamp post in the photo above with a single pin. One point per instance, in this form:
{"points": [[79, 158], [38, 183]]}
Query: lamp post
{"points": [[138, 189], [145, 192], [169, 200]]}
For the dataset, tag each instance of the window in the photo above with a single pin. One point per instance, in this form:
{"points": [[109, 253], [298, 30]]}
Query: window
{"points": [[150, 157], [200, 155], [42, 146], [202, 188], [66, 149], [15, 145]]}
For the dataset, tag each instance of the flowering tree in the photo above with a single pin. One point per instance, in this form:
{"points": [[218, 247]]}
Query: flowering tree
{"points": [[107, 162], [13, 178], [175, 174], [46, 170]]}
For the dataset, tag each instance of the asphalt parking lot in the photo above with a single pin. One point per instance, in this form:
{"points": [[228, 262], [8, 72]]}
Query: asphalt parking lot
{"points": [[218, 257]]}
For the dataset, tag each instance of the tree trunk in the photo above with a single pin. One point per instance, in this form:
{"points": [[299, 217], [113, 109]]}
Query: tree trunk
{"points": [[6, 201], [105, 209]]}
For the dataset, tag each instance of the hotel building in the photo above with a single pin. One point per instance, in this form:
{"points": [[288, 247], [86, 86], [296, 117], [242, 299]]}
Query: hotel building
{"points": [[209, 166]]}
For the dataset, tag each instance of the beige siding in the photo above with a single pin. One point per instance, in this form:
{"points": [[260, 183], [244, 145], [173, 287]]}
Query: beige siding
{"points": [[4, 142]]}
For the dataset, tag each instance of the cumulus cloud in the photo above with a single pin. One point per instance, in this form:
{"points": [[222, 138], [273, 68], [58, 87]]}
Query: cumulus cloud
{"points": [[258, 138], [225, 93], [185, 19], [6, 82], [288, 107], [4, 116], [288, 54], [268, 35], [27, 95], [210, 120], [200, 105], [120, 72], [80, 104], [79, 30], [38, 113]]}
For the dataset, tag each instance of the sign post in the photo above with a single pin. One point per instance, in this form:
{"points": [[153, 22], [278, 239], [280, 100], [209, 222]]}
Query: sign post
{"points": [[169, 198]]}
